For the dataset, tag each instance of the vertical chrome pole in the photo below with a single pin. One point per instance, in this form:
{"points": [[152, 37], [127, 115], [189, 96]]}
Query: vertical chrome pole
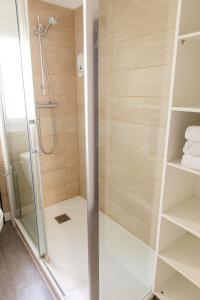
{"points": [[39, 33], [91, 127]]}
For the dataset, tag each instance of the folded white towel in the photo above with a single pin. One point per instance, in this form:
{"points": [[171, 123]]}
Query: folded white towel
{"points": [[193, 133], [192, 148], [191, 162]]}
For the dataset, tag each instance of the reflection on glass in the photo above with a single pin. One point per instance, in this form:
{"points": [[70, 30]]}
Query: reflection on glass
{"points": [[15, 117]]}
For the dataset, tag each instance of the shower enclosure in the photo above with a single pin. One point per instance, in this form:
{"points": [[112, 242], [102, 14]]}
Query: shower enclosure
{"points": [[88, 149], [18, 134]]}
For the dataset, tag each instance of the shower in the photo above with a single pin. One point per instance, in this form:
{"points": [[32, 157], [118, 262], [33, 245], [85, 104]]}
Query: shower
{"points": [[51, 21], [46, 85]]}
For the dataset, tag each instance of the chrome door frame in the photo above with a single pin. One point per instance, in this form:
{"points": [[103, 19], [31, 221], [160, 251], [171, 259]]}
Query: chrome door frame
{"points": [[25, 49], [90, 21]]}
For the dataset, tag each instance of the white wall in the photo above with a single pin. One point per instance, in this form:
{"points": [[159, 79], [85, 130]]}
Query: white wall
{"points": [[10, 68]]}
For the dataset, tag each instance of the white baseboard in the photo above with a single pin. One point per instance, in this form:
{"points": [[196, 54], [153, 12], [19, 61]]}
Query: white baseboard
{"points": [[7, 216]]}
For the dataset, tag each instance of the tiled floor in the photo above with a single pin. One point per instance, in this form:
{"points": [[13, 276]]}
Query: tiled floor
{"points": [[19, 277]]}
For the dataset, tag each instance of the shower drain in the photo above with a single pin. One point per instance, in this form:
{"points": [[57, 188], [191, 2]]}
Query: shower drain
{"points": [[62, 218]]}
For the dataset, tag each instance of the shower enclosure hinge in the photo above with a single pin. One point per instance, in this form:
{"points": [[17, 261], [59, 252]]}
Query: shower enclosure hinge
{"points": [[35, 151], [31, 121], [46, 258]]}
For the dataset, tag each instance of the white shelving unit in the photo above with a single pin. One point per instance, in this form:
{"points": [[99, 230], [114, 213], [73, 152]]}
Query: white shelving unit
{"points": [[186, 215], [178, 288], [183, 256], [194, 36], [177, 275], [194, 108], [177, 164]]}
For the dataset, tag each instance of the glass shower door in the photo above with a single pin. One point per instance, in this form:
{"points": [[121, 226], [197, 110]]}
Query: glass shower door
{"points": [[16, 123], [135, 59]]}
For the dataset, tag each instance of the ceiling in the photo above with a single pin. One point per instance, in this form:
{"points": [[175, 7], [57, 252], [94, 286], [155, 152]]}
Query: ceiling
{"points": [[72, 4]]}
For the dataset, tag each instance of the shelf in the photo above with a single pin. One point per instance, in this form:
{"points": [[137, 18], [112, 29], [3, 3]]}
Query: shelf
{"points": [[178, 250], [186, 215], [177, 164], [184, 257], [194, 108], [193, 36], [178, 288]]}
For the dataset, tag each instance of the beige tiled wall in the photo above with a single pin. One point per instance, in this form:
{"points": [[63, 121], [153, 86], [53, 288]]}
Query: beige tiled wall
{"points": [[60, 170], [78, 14], [135, 62]]}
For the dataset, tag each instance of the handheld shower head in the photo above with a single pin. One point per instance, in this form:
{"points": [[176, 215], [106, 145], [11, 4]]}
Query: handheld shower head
{"points": [[51, 21]]}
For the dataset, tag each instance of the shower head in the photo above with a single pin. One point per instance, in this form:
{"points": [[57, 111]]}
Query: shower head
{"points": [[51, 21], [43, 29]]}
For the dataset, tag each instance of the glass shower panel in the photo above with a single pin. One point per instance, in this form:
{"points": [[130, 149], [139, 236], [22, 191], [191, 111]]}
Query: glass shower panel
{"points": [[135, 58], [15, 119]]}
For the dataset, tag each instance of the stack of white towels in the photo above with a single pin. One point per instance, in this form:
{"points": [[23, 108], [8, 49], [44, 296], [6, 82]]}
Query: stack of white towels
{"points": [[191, 150]]}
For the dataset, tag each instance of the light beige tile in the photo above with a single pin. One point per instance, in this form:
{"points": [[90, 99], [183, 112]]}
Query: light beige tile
{"points": [[72, 173], [55, 195], [135, 69], [56, 39], [48, 140], [66, 19], [56, 64], [46, 125], [106, 58], [73, 189], [106, 83], [139, 110], [78, 17], [105, 28], [119, 196], [70, 123], [71, 156], [52, 162], [134, 225], [142, 18], [79, 42], [61, 85], [83, 190], [139, 162], [148, 51], [53, 179], [148, 82], [142, 137]]}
